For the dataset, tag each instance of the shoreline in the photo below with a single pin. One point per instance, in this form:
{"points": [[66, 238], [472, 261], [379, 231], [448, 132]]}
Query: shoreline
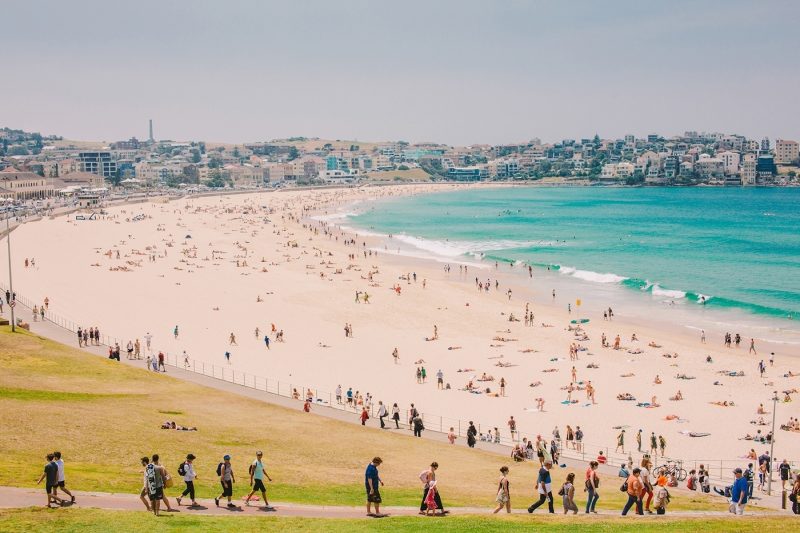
{"points": [[453, 290]]}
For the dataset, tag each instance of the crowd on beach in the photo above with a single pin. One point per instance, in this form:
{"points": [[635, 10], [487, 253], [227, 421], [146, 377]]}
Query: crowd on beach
{"points": [[479, 382]]}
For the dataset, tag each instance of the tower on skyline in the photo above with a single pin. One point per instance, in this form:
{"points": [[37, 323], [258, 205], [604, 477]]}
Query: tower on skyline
{"points": [[151, 131]]}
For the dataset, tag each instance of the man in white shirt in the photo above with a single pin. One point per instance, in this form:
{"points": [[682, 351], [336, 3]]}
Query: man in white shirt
{"points": [[257, 474], [61, 479], [382, 413]]}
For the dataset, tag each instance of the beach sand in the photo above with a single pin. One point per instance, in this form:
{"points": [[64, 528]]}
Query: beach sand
{"points": [[307, 287]]}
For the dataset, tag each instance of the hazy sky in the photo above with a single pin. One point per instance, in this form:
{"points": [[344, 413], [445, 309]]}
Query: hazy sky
{"points": [[450, 71]]}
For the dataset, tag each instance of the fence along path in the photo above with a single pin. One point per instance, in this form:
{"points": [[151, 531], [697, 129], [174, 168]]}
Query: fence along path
{"points": [[720, 470]]}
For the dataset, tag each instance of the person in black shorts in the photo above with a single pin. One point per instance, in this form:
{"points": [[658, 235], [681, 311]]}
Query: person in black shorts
{"points": [[785, 469], [51, 475]]}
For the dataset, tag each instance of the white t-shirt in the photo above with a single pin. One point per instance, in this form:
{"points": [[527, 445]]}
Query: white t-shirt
{"points": [[188, 472], [644, 475], [60, 464]]}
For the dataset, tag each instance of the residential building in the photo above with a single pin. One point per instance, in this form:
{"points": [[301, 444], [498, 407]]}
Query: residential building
{"points": [[786, 152], [97, 163], [748, 171], [730, 162]]}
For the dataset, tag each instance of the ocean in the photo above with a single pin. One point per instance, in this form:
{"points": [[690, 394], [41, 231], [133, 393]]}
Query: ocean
{"points": [[733, 250]]}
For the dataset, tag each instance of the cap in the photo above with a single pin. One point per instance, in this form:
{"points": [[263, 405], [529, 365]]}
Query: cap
{"points": [[259, 452], [737, 470], [227, 457]]}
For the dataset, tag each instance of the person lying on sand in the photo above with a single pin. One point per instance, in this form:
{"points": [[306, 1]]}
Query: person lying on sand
{"points": [[454, 347], [527, 350], [465, 370], [547, 370], [504, 365], [670, 356], [419, 362], [678, 396], [725, 403], [684, 376], [485, 377], [652, 344], [535, 384], [592, 365], [547, 325], [636, 351], [626, 396], [628, 375]]}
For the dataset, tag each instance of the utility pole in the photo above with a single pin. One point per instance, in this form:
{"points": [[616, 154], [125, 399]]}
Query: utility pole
{"points": [[13, 301], [772, 444]]}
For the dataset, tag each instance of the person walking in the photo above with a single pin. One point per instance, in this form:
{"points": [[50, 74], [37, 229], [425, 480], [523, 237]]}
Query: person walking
{"points": [[647, 485], [61, 484], [592, 483], [567, 493], [50, 475], [144, 493], [373, 482], [544, 487], [633, 486], [418, 425], [472, 433], [189, 475], [621, 441], [738, 493], [257, 474], [639, 440], [226, 480], [794, 495], [396, 416], [382, 413], [155, 474], [428, 478], [503, 498], [364, 416]]}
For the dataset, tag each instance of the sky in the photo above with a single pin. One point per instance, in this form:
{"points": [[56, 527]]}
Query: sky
{"points": [[457, 72]]}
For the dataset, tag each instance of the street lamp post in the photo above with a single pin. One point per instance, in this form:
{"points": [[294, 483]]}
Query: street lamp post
{"points": [[772, 444], [10, 281]]}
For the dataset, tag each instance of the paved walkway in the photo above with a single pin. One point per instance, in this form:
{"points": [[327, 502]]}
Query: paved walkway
{"points": [[13, 497]]}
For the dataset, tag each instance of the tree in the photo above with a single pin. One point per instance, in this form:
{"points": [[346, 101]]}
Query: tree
{"points": [[402, 167], [236, 153], [196, 158], [294, 153]]}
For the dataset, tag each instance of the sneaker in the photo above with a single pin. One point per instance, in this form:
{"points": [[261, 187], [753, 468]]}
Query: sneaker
{"points": [[530, 509], [230, 505], [216, 502], [178, 499]]}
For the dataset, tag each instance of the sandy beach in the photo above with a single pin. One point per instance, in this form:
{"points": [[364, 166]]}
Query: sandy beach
{"points": [[217, 266]]}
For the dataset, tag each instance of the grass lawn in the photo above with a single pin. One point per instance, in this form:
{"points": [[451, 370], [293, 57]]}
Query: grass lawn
{"points": [[103, 416], [97, 521]]}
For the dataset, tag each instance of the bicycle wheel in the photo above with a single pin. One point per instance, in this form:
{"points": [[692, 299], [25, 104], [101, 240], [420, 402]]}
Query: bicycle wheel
{"points": [[681, 474]]}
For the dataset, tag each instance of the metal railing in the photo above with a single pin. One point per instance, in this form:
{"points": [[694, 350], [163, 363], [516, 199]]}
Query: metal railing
{"points": [[720, 470]]}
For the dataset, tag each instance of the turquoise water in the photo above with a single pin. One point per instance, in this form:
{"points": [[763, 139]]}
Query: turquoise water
{"points": [[737, 247]]}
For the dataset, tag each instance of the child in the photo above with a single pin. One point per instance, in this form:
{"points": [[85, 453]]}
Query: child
{"points": [[430, 498]]}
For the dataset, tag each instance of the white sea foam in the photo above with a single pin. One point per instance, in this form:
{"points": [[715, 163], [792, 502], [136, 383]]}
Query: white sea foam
{"points": [[333, 216], [452, 249], [588, 275], [669, 293]]}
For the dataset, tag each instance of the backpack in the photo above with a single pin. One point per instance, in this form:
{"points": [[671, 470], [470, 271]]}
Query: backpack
{"points": [[182, 469], [219, 469], [423, 476], [624, 487]]}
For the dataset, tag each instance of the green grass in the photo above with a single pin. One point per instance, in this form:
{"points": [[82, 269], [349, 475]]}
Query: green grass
{"points": [[51, 395], [312, 459], [97, 521]]}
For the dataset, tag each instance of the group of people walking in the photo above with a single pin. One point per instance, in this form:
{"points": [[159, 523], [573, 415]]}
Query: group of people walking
{"points": [[156, 478]]}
